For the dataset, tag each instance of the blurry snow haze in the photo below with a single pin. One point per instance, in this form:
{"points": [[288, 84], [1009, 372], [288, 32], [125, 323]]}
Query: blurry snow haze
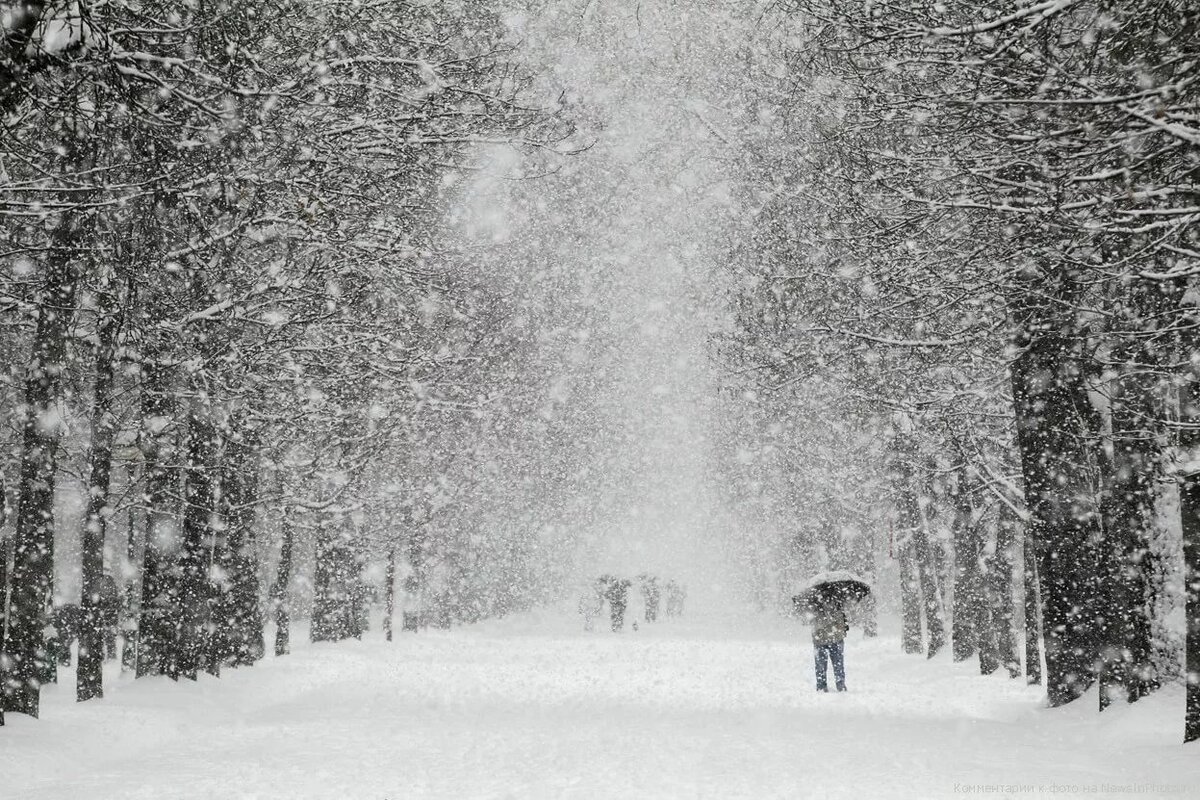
{"points": [[609, 246]]}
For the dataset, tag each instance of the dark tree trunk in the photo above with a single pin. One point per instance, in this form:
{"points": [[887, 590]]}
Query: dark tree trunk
{"points": [[23, 655], [217, 633], [194, 593], [910, 600], [967, 596], [3, 578], [1052, 411], [390, 590], [989, 657], [913, 519], [220, 635], [335, 584], [1033, 612], [931, 599], [3, 585], [326, 601], [973, 632], [129, 648], [1189, 514], [870, 615], [280, 591], [1189, 506], [1130, 493], [985, 633], [157, 632], [239, 611], [93, 613], [1000, 584], [1128, 512]]}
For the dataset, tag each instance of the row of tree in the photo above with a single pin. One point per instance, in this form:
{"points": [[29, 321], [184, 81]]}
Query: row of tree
{"points": [[981, 220], [233, 328]]}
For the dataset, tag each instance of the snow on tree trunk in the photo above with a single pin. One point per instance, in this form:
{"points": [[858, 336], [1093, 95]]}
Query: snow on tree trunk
{"points": [[237, 610], [930, 596], [390, 590], [157, 634], [1129, 504], [4, 555], [1000, 580], [1052, 408], [23, 656], [1033, 610], [1189, 507], [129, 609], [337, 590], [1128, 508], [281, 589], [967, 600], [1189, 514], [193, 590], [910, 599], [89, 676], [910, 497], [870, 613]]}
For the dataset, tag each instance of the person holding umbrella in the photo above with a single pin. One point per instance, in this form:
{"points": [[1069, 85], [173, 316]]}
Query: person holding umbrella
{"points": [[829, 629], [823, 601]]}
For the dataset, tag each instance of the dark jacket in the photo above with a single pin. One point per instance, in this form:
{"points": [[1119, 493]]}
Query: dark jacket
{"points": [[828, 625]]}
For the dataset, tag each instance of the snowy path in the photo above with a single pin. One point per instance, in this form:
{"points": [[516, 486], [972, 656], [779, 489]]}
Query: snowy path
{"points": [[534, 708]]}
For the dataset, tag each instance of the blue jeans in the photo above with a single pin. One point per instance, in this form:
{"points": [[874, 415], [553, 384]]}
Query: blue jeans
{"points": [[835, 653]]}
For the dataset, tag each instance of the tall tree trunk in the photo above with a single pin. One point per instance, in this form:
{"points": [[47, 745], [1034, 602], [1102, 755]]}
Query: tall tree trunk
{"points": [[989, 660], [931, 598], [1189, 507], [157, 632], [1131, 489], [324, 625], [334, 584], [1127, 508], [23, 659], [1000, 584], [129, 648], [1052, 411], [1189, 515], [89, 677], [910, 599], [219, 634], [240, 611], [3, 577], [1033, 611], [390, 590], [217, 637], [972, 587], [280, 591], [870, 619], [193, 590], [967, 596], [909, 496]]}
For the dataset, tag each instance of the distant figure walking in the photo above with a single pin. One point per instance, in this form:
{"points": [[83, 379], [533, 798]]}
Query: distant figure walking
{"points": [[829, 628], [650, 596], [617, 595], [591, 605], [675, 594]]}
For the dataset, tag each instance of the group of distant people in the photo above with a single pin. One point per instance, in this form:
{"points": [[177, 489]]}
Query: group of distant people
{"points": [[614, 591]]}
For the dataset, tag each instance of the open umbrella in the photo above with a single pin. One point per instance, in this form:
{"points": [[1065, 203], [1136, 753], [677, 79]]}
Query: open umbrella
{"points": [[833, 588]]}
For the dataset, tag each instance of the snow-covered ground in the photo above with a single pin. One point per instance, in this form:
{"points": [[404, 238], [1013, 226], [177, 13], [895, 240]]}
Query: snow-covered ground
{"points": [[532, 707]]}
